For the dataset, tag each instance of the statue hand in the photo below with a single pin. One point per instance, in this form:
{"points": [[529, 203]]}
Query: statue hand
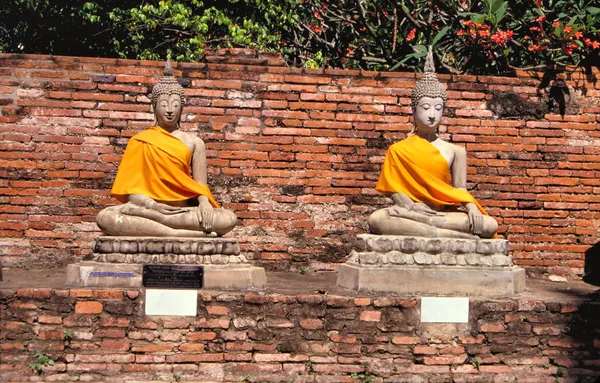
{"points": [[168, 209], [419, 207], [207, 220], [475, 221]]}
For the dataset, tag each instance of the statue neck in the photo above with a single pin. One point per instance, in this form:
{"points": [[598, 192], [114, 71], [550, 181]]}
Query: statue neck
{"points": [[427, 135]]}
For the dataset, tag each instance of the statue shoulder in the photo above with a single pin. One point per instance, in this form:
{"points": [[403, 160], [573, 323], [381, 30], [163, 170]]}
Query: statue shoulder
{"points": [[456, 149], [191, 140]]}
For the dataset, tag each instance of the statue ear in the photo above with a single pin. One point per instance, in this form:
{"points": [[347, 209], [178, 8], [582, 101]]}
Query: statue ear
{"points": [[155, 121]]}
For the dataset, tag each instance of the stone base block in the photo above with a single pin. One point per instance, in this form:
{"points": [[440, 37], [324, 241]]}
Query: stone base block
{"points": [[433, 280], [216, 277]]}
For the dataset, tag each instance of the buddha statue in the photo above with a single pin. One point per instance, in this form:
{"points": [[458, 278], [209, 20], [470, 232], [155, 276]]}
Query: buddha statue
{"points": [[161, 180], [426, 177]]}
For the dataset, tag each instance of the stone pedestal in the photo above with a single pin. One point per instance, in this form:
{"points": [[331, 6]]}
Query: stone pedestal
{"points": [[118, 262], [431, 266]]}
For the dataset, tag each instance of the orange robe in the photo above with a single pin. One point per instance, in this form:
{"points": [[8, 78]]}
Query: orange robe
{"points": [[157, 164], [416, 168]]}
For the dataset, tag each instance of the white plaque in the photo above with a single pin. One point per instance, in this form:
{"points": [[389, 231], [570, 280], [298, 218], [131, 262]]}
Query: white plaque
{"points": [[444, 310], [171, 302]]}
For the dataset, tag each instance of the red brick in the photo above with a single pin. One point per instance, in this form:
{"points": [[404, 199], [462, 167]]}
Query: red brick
{"points": [[88, 307], [405, 340], [49, 319], [160, 347], [217, 310], [114, 345], [108, 294], [311, 324], [114, 322], [176, 323], [370, 316], [191, 347], [492, 327], [110, 333], [51, 334], [459, 359], [34, 293], [424, 350], [209, 335]]}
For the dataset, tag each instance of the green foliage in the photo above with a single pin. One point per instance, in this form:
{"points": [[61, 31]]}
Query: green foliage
{"points": [[303, 270], [469, 36], [476, 362], [41, 360], [67, 337]]}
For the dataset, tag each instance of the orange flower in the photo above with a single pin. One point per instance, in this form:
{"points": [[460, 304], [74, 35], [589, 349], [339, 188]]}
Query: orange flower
{"points": [[578, 35], [595, 44], [568, 29], [533, 47], [411, 35], [555, 24]]}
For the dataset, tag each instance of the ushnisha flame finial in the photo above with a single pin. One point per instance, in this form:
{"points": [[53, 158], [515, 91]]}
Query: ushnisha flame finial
{"points": [[167, 85], [428, 85]]}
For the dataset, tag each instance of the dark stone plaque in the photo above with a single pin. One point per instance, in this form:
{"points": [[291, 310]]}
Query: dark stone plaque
{"points": [[173, 276]]}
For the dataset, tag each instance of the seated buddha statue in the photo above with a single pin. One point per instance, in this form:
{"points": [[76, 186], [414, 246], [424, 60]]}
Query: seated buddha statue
{"points": [[426, 177], [161, 180]]}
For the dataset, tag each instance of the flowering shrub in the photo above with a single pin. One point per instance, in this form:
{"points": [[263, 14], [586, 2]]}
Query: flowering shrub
{"points": [[469, 36]]}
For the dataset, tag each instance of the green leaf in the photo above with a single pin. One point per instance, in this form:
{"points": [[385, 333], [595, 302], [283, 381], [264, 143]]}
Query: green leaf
{"points": [[593, 10], [439, 35], [501, 12]]}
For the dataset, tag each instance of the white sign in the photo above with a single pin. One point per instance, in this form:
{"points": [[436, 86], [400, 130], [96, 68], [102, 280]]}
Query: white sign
{"points": [[171, 302], [444, 310]]}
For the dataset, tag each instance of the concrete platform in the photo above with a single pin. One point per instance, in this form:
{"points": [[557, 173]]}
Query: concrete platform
{"points": [[237, 277], [433, 280]]}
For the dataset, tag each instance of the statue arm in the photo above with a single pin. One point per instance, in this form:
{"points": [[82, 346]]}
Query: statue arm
{"points": [[199, 172], [142, 201], [459, 181], [402, 200], [199, 162]]}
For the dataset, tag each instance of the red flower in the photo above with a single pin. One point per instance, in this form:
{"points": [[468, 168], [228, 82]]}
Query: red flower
{"points": [[568, 29], [555, 24], [595, 44], [578, 35], [411, 35], [541, 18]]}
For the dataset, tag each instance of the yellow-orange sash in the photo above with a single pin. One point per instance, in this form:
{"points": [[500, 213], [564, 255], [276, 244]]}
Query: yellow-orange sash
{"points": [[157, 164], [416, 168]]}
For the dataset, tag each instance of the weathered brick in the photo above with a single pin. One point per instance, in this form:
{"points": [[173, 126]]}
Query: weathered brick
{"points": [[311, 324], [114, 345], [370, 316], [88, 307]]}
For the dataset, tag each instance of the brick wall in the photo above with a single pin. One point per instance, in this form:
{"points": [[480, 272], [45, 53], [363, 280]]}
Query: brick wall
{"points": [[295, 153], [97, 335]]}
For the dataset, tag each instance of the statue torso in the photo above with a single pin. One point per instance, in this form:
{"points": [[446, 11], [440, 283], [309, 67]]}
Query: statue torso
{"points": [[446, 150], [188, 139]]}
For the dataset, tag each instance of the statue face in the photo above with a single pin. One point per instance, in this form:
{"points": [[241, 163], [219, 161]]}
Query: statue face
{"points": [[428, 113], [168, 111]]}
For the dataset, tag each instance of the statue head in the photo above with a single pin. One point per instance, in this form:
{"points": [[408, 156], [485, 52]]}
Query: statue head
{"points": [[167, 100], [428, 97]]}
